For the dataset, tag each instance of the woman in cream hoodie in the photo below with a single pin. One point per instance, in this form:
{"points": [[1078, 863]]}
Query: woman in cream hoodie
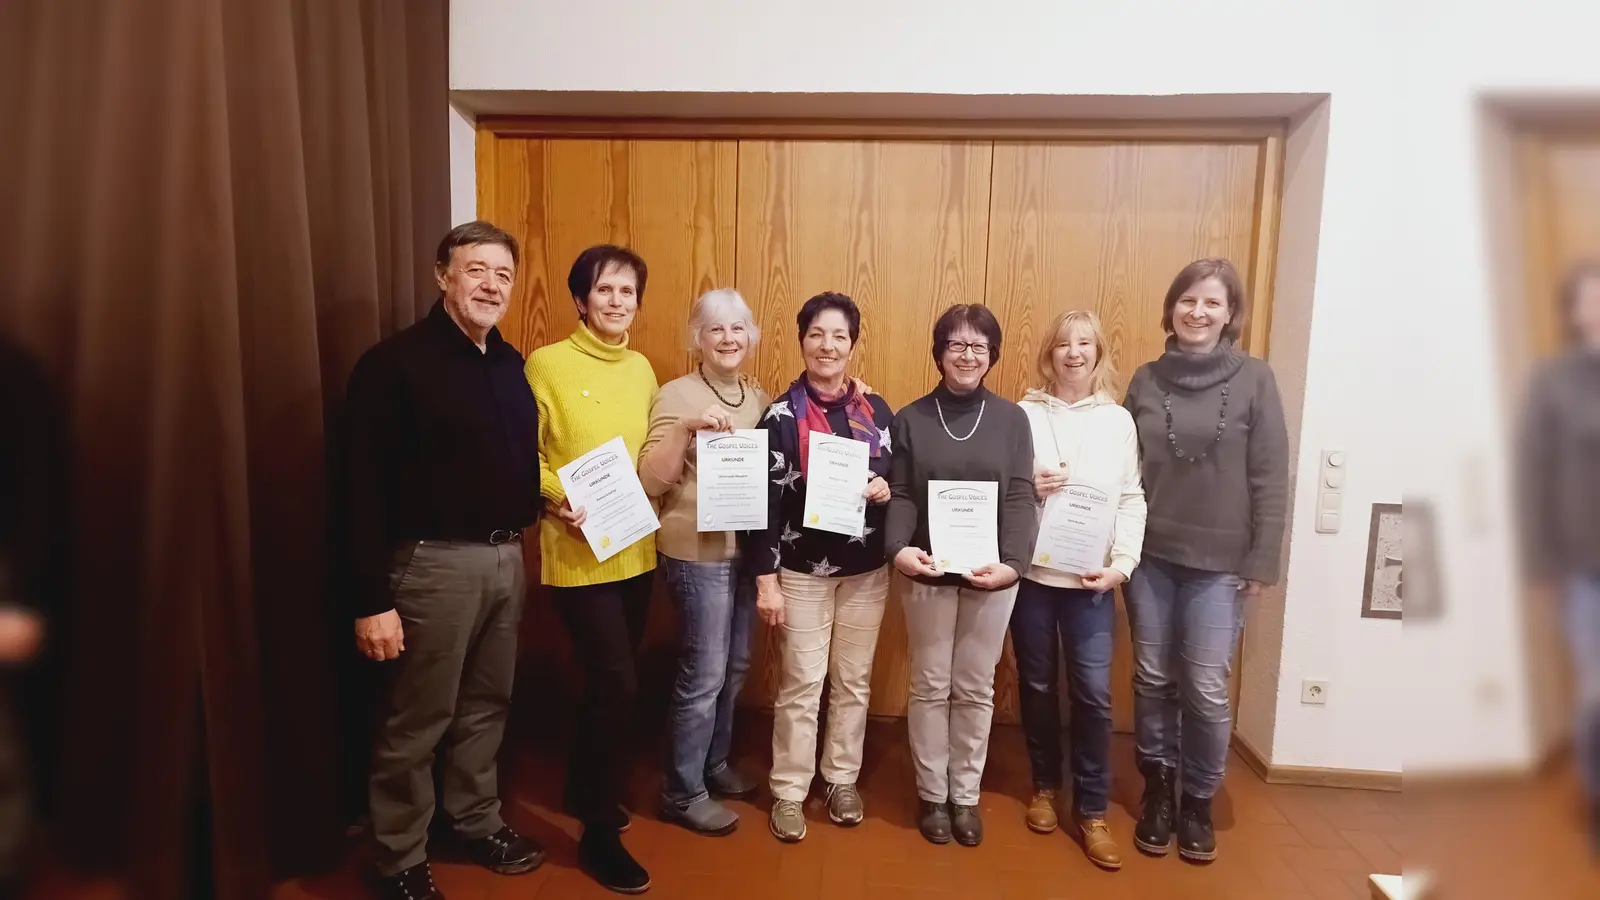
{"points": [[1081, 436]]}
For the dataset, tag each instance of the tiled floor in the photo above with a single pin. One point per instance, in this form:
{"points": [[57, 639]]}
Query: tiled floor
{"points": [[1278, 842]]}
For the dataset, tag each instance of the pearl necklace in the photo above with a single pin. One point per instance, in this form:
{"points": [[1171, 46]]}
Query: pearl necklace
{"points": [[942, 424]]}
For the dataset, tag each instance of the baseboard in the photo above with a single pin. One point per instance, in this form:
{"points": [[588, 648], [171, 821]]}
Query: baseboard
{"points": [[1316, 776]]}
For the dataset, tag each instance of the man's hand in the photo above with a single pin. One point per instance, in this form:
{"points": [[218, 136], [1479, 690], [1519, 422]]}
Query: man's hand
{"points": [[1250, 589], [877, 491], [912, 561], [992, 577], [769, 600], [1102, 580], [565, 512], [21, 634], [380, 637]]}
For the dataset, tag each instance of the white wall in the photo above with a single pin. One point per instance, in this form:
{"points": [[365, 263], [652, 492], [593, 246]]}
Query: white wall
{"points": [[1400, 190], [463, 167]]}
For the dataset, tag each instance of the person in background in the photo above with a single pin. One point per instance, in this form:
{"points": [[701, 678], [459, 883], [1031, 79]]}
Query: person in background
{"points": [[591, 388], [1559, 474], [1214, 455], [714, 593], [826, 591], [956, 624], [1080, 436], [34, 537], [442, 432]]}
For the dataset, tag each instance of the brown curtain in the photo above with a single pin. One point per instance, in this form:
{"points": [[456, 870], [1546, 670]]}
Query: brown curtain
{"points": [[208, 210]]}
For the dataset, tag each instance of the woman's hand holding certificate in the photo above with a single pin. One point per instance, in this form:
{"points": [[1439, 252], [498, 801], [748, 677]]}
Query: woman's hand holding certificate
{"points": [[604, 484], [835, 484], [1075, 530]]}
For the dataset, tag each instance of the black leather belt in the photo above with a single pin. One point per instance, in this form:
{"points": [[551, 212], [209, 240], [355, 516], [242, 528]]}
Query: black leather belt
{"points": [[498, 536]]}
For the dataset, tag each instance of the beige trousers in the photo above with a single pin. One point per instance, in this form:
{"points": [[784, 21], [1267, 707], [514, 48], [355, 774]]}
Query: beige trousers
{"points": [[956, 635], [830, 630]]}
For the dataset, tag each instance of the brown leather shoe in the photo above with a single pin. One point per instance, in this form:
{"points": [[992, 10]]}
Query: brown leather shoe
{"points": [[1098, 844], [1042, 811]]}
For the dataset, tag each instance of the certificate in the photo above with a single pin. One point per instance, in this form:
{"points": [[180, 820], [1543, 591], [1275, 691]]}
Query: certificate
{"points": [[836, 482], [604, 482], [963, 524], [731, 480], [1075, 530]]}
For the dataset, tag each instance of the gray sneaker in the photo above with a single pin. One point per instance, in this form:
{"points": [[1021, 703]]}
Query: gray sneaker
{"points": [[704, 816], [788, 821], [844, 804]]}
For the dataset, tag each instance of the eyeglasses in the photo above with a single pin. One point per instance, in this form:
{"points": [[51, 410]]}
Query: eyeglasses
{"points": [[960, 347]]}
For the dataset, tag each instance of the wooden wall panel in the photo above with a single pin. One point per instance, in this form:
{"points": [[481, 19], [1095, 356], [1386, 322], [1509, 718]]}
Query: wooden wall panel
{"points": [[1106, 227], [1560, 185], [901, 228]]}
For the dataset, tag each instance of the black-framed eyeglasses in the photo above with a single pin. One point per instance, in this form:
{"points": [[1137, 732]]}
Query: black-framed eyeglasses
{"points": [[959, 347]]}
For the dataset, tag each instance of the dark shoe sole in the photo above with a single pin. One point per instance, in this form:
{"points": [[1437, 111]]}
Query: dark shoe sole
{"points": [[1153, 849], [617, 888], [724, 795], [970, 842], [670, 815], [1197, 856], [940, 839]]}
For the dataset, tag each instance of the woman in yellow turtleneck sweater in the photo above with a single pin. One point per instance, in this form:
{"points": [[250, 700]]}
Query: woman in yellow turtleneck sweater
{"points": [[591, 388]]}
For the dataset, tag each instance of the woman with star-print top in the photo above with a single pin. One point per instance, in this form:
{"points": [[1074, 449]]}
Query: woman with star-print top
{"points": [[814, 584]]}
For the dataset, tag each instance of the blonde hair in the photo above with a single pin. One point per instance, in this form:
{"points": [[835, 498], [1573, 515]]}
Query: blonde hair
{"points": [[1103, 380], [712, 304]]}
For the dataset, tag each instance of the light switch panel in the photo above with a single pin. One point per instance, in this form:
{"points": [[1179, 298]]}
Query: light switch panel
{"points": [[1330, 499]]}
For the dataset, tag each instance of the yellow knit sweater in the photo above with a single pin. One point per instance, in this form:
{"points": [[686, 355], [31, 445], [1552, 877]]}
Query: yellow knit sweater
{"points": [[588, 392]]}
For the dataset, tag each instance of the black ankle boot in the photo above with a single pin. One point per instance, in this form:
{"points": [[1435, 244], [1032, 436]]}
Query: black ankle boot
{"points": [[1153, 834], [602, 855], [1197, 840]]}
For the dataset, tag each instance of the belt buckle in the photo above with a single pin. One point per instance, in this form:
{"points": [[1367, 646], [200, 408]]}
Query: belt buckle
{"points": [[501, 536]]}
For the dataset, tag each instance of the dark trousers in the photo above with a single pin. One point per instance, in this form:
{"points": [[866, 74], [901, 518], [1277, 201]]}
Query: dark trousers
{"points": [[1083, 620], [606, 624], [459, 605]]}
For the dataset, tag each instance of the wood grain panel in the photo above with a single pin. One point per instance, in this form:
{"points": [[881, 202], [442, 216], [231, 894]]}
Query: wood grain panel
{"points": [[901, 228], [1106, 227], [1561, 195]]}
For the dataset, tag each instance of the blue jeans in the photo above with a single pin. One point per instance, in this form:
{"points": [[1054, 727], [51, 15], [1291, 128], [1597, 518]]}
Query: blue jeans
{"points": [[715, 601], [1582, 619], [1185, 623], [1084, 621]]}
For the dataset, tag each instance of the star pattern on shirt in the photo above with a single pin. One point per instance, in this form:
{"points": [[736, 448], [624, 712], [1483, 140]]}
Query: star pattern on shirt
{"points": [[822, 569], [777, 460], [883, 440], [777, 557], [862, 537], [787, 479], [789, 534], [778, 410]]}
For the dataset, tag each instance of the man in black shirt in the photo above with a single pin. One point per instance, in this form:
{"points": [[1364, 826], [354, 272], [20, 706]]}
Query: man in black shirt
{"points": [[444, 475]]}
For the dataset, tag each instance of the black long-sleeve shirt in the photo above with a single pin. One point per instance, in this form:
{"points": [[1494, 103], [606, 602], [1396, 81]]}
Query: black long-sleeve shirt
{"points": [[33, 483], [1000, 449], [442, 445]]}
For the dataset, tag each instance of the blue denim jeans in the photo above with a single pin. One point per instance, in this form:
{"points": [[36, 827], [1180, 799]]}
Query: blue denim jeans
{"points": [[1083, 620], [715, 601], [1581, 606], [1185, 623]]}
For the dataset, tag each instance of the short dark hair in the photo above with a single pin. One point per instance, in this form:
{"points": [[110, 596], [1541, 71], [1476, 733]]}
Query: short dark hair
{"points": [[1581, 273], [471, 234], [593, 262], [1198, 271], [973, 315], [825, 301]]}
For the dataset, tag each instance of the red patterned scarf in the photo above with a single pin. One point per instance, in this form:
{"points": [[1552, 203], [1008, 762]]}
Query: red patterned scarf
{"points": [[810, 410]]}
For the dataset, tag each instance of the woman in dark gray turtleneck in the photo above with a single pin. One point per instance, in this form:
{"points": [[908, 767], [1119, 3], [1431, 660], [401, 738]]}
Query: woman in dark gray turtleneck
{"points": [[1215, 459], [1559, 499], [956, 624]]}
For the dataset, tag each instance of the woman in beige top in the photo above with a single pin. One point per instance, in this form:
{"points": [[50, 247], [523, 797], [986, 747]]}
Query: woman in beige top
{"points": [[715, 597]]}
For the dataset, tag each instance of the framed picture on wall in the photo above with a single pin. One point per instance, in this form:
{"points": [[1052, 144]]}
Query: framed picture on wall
{"points": [[1381, 599]]}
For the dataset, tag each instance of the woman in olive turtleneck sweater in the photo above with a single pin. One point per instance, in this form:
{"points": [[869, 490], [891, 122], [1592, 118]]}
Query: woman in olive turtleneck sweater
{"points": [[1214, 456], [956, 624]]}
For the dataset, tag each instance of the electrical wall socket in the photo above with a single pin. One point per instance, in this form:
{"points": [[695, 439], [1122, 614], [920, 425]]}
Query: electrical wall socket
{"points": [[1313, 692]]}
